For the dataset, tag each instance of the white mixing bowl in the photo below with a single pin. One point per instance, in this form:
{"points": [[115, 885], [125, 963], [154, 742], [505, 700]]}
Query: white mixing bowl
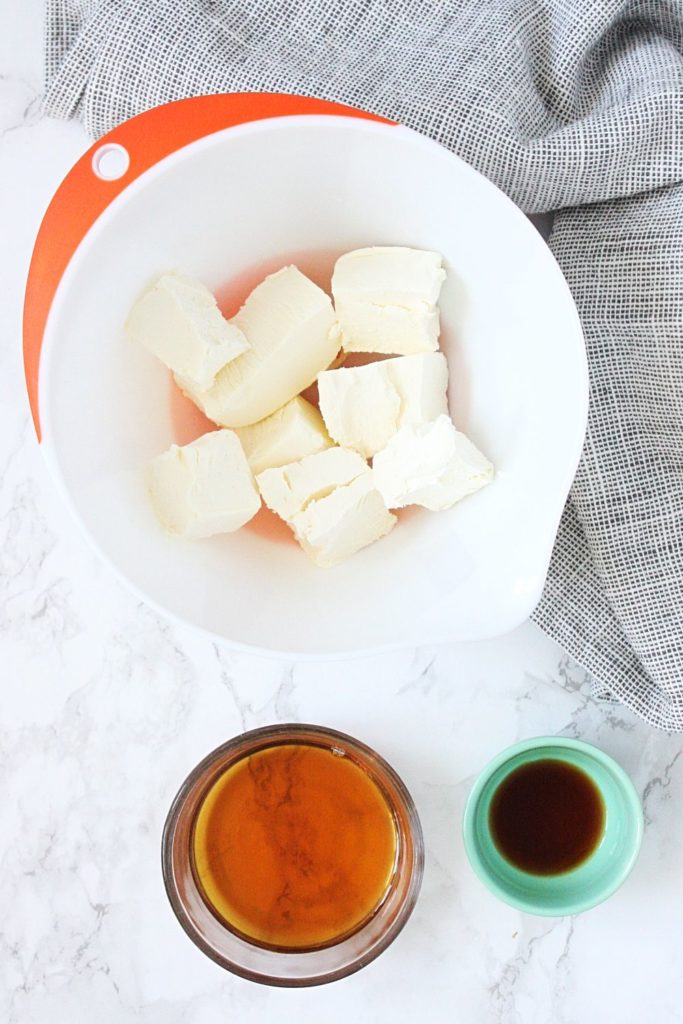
{"points": [[244, 194]]}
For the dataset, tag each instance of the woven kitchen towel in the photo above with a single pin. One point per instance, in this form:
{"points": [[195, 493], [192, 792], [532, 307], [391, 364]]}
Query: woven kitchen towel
{"points": [[568, 105]]}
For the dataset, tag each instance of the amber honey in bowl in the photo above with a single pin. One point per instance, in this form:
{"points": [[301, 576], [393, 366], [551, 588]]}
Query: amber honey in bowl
{"points": [[294, 846], [292, 855]]}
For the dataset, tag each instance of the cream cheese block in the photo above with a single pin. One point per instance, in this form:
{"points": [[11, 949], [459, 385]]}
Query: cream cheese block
{"points": [[291, 488], [178, 320], [360, 407], [386, 299], [293, 335], [205, 487], [331, 503], [364, 406], [351, 517], [430, 464], [291, 433]]}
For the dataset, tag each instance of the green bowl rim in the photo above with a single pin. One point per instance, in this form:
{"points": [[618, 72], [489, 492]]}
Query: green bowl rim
{"points": [[471, 845]]}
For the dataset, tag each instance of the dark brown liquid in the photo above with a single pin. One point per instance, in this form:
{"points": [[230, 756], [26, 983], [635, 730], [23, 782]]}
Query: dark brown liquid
{"points": [[547, 817], [294, 846]]}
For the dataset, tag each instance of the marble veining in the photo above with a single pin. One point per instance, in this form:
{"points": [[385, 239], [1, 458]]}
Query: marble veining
{"points": [[106, 706]]}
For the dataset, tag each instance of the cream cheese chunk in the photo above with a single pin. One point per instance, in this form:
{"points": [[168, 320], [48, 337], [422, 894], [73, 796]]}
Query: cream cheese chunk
{"points": [[178, 320], [291, 433], [422, 385], [203, 488], [293, 335], [290, 489], [330, 501], [386, 299], [360, 407], [332, 528], [364, 406], [431, 464]]}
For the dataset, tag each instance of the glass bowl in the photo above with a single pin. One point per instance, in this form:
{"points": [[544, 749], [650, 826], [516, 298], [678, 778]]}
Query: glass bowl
{"points": [[291, 968]]}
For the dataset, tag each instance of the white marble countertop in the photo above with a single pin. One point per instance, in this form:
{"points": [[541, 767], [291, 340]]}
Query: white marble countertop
{"points": [[106, 707]]}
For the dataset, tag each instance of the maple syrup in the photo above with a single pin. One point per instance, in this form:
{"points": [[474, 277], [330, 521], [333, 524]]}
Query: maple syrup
{"points": [[294, 847], [547, 817]]}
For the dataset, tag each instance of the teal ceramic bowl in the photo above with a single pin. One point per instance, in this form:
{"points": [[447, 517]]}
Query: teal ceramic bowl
{"points": [[595, 878]]}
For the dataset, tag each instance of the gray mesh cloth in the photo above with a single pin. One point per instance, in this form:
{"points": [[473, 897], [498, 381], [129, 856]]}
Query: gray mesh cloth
{"points": [[574, 106]]}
